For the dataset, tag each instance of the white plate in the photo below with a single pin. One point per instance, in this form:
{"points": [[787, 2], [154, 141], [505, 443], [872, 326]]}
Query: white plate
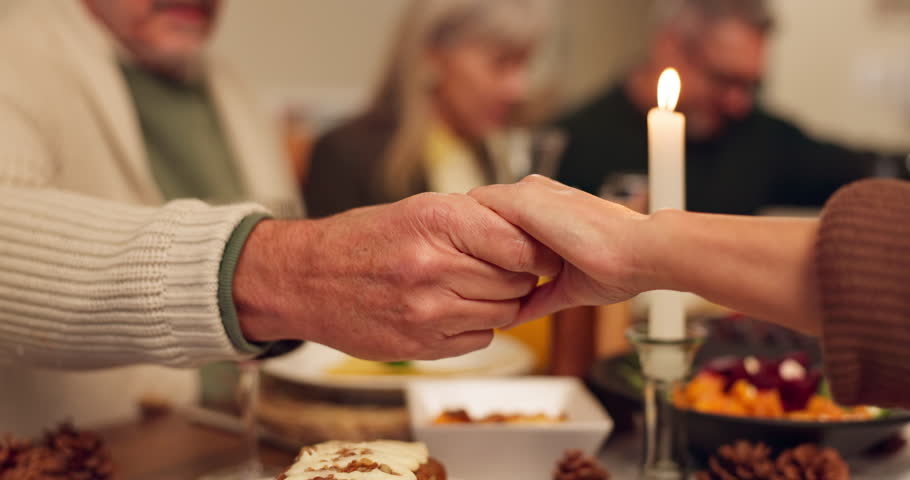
{"points": [[311, 364]]}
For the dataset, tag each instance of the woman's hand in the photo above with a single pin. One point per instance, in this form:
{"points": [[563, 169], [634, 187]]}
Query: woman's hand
{"points": [[763, 267], [601, 242]]}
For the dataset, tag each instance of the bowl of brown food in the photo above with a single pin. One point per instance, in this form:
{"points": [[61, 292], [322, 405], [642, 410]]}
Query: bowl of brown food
{"points": [[492, 429]]}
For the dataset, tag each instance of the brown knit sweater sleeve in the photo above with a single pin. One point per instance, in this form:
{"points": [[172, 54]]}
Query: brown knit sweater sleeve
{"points": [[863, 263]]}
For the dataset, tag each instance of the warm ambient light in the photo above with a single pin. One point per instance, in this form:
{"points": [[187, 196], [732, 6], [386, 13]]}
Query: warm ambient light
{"points": [[668, 88]]}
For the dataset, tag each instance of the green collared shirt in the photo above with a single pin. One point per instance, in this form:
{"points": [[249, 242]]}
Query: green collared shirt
{"points": [[189, 157]]}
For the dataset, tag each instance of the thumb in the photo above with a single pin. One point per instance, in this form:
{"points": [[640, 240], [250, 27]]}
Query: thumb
{"points": [[530, 206], [545, 300]]}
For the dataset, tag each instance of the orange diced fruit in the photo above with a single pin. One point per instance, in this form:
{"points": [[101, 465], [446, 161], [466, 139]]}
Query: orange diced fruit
{"points": [[801, 416], [768, 404], [714, 403], [680, 400], [705, 384], [824, 406], [735, 408], [744, 392]]}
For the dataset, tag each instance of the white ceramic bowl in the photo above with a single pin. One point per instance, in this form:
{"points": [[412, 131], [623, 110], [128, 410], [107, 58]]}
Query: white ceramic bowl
{"points": [[496, 452]]}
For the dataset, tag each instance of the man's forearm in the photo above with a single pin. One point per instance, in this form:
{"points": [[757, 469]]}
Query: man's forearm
{"points": [[760, 266]]}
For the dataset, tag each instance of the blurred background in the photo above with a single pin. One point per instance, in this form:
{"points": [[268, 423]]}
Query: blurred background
{"points": [[840, 72], [380, 99]]}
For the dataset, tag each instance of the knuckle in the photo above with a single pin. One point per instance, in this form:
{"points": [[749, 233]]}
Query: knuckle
{"points": [[437, 212], [422, 261], [421, 200], [422, 264], [423, 313], [410, 349]]}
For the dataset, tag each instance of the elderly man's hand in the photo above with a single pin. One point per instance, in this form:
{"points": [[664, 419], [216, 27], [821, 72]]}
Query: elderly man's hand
{"points": [[599, 241], [425, 278]]}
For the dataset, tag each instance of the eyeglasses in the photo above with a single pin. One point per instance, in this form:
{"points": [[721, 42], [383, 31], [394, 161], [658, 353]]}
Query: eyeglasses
{"points": [[720, 79]]}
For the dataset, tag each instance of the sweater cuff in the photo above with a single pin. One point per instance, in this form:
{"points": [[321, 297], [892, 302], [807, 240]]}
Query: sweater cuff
{"points": [[863, 267], [226, 305]]}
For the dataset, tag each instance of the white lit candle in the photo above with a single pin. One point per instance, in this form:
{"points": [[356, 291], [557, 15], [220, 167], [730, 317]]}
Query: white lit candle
{"points": [[667, 187]]}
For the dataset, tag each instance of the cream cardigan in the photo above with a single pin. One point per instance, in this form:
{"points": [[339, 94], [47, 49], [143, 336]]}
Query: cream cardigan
{"points": [[94, 271]]}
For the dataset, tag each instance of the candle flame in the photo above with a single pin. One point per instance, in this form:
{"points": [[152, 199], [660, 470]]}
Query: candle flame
{"points": [[668, 88]]}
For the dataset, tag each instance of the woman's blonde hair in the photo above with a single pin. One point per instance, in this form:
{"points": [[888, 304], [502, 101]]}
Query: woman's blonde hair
{"points": [[403, 96]]}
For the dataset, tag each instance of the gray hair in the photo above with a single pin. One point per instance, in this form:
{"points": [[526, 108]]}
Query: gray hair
{"points": [[691, 16], [403, 93]]}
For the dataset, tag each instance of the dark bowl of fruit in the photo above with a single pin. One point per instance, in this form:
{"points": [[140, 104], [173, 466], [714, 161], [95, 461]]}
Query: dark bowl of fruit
{"points": [[754, 381], [782, 402]]}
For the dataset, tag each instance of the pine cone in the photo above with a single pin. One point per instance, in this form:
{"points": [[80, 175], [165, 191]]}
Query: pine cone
{"points": [[741, 461], [21, 466], [10, 451], [576, 466], [809, 462], [77, 455], [61, 455]]}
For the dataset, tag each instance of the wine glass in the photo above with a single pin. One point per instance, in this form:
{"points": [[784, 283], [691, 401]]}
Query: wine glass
{"points": [[247, 395]]}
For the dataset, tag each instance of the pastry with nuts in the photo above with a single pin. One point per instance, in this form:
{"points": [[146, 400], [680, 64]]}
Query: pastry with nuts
{"points": [[365, 461]]}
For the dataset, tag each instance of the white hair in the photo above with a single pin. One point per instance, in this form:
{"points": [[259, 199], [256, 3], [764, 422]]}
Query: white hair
{"points": [[403, 93]]}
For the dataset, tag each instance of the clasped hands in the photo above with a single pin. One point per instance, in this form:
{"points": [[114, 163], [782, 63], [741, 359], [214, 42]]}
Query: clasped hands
{"points": [[433, 275]]}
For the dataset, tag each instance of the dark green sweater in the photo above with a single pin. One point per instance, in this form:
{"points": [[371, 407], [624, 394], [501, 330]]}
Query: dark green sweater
{"points": [[758, 161]]}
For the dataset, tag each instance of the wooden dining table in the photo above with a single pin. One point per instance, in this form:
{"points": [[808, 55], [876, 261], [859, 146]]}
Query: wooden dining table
{"points": [[173, 447]]}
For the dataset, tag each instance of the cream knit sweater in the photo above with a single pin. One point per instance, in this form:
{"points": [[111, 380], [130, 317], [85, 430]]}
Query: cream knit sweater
{"points": [[94, 271], [87, 283]]}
